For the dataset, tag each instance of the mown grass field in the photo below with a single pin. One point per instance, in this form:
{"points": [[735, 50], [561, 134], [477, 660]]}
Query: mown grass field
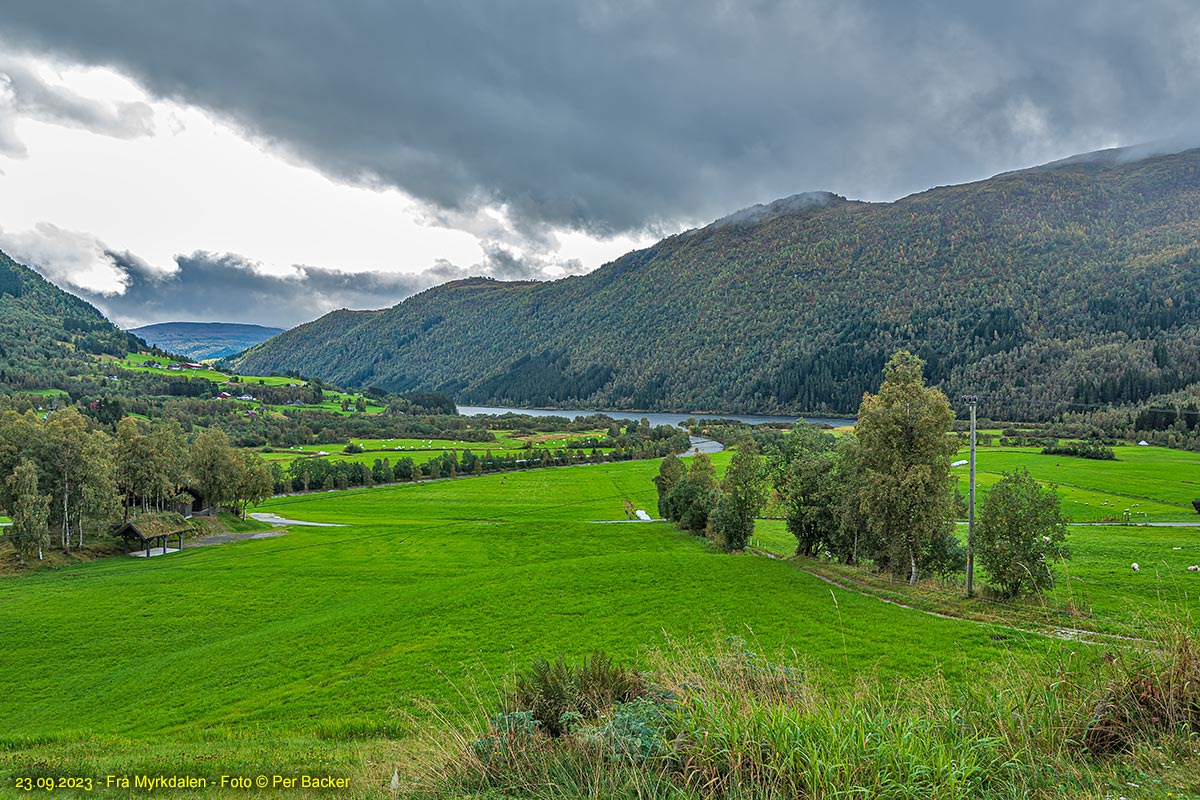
{"points": [[328, 634], [311, 650], [415, 448], [1154, 483], [1098, 582]]}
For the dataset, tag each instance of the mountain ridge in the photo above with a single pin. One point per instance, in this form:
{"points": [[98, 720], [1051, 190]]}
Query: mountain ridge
{"points": [[204, 340], [1036, 287]]}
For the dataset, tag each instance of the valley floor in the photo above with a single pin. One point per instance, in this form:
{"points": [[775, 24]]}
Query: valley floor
{"points": [[322, 651]]}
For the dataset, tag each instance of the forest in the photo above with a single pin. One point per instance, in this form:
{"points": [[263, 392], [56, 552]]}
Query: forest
{"points": [[1064, 289]]}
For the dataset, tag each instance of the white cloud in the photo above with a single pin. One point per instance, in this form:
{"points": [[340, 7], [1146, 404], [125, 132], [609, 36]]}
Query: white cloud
{"points": [[158, 179]]}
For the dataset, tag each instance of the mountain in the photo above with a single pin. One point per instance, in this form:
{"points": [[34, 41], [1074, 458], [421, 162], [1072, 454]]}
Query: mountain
{"points": [[49, 338], [200, 340], [1044, 290]]}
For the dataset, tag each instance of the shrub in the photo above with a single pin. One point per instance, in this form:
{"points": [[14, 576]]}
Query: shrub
{"points": [[734, 724], [1021, 532], [557, 693], [634, 731], [1092, 450], [1147, 697]]}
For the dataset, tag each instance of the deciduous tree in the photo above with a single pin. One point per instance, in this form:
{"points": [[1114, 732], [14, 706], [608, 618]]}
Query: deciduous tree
{"points": [[30, 512], [212, 467], [743, 492], [669, 472], [693, 495], [1020, 533], [906, 449]]}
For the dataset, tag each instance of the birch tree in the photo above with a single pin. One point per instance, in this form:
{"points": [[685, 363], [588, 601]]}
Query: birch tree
{"points": [[30, 512], [906, 448], [66, 436]]}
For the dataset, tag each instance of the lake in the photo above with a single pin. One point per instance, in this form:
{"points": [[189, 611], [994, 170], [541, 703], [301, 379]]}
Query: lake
{"points": [[655, 417]]}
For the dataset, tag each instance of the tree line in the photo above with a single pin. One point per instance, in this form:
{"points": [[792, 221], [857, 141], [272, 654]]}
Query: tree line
{"points": [[65, 474], [883, 496]]}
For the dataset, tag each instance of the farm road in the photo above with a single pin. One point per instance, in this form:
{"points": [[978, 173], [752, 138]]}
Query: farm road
{"points": [[275, 519]]}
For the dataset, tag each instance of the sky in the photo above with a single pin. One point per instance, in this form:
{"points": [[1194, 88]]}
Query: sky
{"points": [[267, 161]]}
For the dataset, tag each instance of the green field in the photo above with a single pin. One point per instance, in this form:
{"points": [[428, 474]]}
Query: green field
{"points": [[244, 384], [419, 450], [136, 362], [335, 630], [1154, 483], [1098, 581], [314, 647]]}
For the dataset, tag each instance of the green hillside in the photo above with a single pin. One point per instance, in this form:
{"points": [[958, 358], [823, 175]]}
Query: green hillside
{"points": [[1074, 283], [49, 338]]}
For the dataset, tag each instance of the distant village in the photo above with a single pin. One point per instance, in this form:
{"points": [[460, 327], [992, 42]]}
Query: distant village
{"points": [[174, 367]]}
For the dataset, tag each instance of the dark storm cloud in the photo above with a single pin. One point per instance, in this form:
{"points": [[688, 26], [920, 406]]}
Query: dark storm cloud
{"points": [[225, 287], [611, 116]]}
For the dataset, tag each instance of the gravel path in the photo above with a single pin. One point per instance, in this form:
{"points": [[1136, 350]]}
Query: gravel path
{"points": [[275, 519], [226, 538]]}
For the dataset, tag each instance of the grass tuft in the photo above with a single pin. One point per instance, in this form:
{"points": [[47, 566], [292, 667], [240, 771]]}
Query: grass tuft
{"points": [[731, 723]]}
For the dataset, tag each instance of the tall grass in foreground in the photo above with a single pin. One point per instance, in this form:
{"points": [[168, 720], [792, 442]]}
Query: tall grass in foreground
{"points": [[731, 723]]}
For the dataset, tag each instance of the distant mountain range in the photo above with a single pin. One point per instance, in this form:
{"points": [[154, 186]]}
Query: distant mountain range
{"points": [[1045, 290], [203, 340]]}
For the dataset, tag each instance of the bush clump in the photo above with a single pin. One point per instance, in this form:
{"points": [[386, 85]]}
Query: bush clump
{"points": [[1148, 696], [1092, 450], [557, 692], [731, 723]]}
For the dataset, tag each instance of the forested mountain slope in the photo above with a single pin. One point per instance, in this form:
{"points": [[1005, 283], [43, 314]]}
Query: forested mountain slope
{"points": [[48, 336], [200, 340], [1077, 282]]}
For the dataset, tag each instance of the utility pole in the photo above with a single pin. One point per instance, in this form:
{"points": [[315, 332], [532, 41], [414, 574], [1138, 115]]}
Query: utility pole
{"points": [[971, 400]]}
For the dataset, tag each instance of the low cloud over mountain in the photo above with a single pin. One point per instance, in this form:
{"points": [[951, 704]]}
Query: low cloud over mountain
{"points": [[229, 287]]}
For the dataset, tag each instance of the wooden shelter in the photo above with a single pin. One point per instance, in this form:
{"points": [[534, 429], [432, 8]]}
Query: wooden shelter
{"points": [[153, 531]]}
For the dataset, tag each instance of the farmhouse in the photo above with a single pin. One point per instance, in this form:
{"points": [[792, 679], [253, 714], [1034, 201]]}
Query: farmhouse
{"points": [[152, 532]]}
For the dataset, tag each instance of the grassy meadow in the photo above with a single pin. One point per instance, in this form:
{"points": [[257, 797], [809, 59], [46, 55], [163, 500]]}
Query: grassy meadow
{"points": [[313, 651], [330, 633], [1097, 585], [506, 441], [1154, 483], [242, 384]]}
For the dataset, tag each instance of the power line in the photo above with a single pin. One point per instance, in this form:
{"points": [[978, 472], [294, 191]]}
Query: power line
{"points": [[1099, 406]]}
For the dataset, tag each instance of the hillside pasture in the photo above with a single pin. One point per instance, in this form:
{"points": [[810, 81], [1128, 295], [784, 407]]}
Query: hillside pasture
{"points": [[1098, 584], [137, 362], [422, 450]]}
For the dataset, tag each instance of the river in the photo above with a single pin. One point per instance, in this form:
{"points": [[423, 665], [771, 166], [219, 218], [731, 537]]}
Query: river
{"points": [[655, 417]]}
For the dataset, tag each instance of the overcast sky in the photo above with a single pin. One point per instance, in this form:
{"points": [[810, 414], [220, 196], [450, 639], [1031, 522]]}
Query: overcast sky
{"points": [[266, 161]]}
